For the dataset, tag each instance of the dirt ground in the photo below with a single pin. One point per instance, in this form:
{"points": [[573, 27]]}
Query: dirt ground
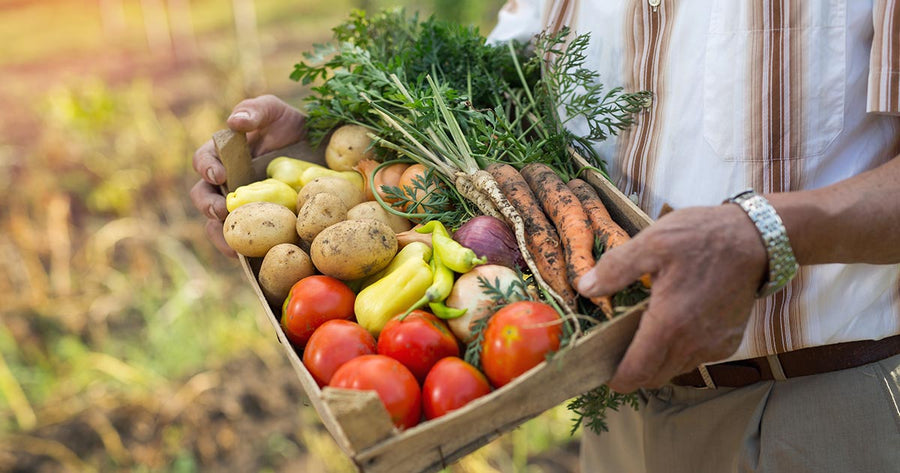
{"points": [[248, 416]]}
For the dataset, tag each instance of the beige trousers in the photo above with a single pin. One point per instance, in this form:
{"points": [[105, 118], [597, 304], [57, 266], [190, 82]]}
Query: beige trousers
{"points": [[846, 421]]}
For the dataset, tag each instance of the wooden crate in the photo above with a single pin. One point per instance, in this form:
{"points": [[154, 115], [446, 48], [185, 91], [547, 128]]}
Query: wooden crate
{"points": [[357, 420]]}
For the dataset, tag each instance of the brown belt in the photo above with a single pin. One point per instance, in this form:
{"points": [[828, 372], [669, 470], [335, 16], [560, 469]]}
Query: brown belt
{"points": [[803, 362]]}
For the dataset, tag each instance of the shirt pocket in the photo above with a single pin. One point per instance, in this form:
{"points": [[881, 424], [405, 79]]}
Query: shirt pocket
{"points": [[774, 83]]}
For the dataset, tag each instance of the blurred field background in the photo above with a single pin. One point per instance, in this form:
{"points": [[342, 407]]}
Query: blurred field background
{"points": [[127, 343]]}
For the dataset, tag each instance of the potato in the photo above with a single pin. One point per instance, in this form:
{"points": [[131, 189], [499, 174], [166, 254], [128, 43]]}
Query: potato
{"points": [[252, 229], [318, 213], [284, 265], [349, 192], [347, 146], [376, 211], [353, 249]]}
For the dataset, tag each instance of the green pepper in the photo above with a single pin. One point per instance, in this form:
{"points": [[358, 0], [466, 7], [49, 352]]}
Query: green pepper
{"points": [[440, 310], [269, 190], [434, 226], [392, 295], [289, 170], [455, 256], [452, 254], [441, 285]]}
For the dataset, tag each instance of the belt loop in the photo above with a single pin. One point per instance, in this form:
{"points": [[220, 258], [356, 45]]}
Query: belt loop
{"points": [[775, 366], [707, 379]]}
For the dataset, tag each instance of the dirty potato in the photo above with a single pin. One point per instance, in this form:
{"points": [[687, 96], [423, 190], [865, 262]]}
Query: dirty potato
{"points": [[318, 213], [374, 210], [284, 265], [347, 146], [252, 229], [348, 192], [353, 249]]}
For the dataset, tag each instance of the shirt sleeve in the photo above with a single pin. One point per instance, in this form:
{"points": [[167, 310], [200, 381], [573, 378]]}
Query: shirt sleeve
{"points": [[518, 20], [884, 62]]}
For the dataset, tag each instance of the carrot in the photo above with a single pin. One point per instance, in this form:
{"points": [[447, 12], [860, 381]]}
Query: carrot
{"points": [[540, 236], [610, 233], [571, 221]]}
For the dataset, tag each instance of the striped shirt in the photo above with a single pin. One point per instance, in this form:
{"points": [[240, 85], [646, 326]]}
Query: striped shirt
{"points": [[777, 95]]}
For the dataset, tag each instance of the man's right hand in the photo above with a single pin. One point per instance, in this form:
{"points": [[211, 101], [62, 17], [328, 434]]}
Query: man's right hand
{"points": [[269, 123]]}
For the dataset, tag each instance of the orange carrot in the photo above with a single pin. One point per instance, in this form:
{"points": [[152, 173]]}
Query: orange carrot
{"points": [[571, 221], [605, 228], [610, 233], [540, 235]]}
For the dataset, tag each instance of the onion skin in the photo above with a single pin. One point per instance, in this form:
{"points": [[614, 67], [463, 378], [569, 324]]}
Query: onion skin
{"points": [[468, 294], [492, 238]]}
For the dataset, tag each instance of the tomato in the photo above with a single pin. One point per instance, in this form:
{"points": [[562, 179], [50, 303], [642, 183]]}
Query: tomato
{"points": [[334, 343], [396, 386], [517, 338], [418, 342], [313, 301], [451, 384]]}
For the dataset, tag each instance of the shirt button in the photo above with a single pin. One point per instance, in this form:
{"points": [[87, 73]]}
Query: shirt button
{"points": [[654, 3]]}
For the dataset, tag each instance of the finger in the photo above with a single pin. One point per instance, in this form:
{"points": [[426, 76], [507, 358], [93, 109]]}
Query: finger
{"points": [[616, 269], [215, 235], [257, 113], [269, 122], [645, 357], [207, 164], [208, 201]]}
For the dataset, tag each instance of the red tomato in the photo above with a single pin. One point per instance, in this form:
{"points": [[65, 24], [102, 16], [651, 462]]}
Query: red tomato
{"points": [[451, 384], [395, 385], [418, 342], [334, 343], [313, 301], [517, 338]]}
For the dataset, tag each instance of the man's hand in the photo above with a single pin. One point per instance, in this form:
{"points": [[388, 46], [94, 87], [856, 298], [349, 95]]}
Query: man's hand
{"points": [[706, 264], [269, 123]]}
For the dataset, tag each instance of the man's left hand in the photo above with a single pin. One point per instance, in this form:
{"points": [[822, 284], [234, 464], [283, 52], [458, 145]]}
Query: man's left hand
{"points": [[706, 264]]}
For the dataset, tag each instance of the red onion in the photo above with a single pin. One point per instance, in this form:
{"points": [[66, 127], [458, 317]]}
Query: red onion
{"points": [[492, 238]]}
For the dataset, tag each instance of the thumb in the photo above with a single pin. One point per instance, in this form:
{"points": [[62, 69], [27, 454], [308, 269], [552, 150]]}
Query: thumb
{"points": [[616, 269], [256, 113]]}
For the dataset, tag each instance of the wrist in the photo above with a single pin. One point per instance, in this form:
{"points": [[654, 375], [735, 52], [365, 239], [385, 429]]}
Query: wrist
{"points": [[781, 265]]}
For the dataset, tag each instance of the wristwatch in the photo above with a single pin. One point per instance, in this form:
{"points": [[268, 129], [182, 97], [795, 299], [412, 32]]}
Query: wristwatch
{"points": [[782, 263]]}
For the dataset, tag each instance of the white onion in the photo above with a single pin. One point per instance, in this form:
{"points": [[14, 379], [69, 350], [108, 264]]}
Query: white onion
{"points": [[468, 294]]}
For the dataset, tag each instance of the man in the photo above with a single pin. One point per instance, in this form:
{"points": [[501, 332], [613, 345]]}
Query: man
{"points": [[799, 369]]}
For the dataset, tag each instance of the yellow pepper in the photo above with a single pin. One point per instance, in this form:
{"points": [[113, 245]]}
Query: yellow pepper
{"points": [[392, 295], [441, 285], [269, 190], [313, 172], [414, 250], [289, 170]]}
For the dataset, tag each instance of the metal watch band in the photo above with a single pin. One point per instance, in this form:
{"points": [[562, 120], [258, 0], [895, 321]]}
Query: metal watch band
{"points": [[782, 264]]}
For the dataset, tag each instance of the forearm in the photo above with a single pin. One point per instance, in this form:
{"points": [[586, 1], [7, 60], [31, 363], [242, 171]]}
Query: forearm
{"points": [[853, 221]]}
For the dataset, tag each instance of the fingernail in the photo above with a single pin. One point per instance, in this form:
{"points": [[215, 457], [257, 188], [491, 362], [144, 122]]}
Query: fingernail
{"points": [[211, 175], [243, 115], [586, 282], [212, 212]]}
